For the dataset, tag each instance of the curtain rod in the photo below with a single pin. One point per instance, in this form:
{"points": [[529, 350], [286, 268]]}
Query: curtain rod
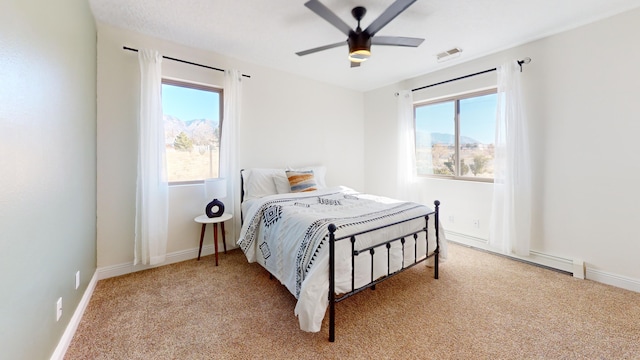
{"points": [[520, 62], [185, 62]]}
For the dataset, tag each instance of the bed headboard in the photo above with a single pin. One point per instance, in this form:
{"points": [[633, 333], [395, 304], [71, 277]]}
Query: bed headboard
{"points": [[241, 195], [241, 186]]}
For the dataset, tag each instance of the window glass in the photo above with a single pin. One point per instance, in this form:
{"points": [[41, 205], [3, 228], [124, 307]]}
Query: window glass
{"points": [[192, 130], [477, 136], [455, 137], [435, 140]]}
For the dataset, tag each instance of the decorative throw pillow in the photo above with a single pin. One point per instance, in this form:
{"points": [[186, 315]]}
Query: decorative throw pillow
{"points": [[319, 173], [301, 181]]}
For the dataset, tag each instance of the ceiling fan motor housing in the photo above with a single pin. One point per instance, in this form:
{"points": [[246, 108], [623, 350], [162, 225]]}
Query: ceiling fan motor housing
{"points": [[359, 46]]}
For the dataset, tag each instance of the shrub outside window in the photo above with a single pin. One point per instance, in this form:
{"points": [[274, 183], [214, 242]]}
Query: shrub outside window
{"points": [[192, 123], [455, 137]]}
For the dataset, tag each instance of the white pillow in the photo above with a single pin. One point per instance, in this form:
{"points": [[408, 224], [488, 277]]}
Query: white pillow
{"points": [[263, 182], [282, 183], [260, 182]]}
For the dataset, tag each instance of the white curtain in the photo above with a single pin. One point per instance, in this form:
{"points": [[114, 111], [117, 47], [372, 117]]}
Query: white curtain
{"points": [[152, 186], [407, 178], [510, 230], [406, 169], [229, 145]]}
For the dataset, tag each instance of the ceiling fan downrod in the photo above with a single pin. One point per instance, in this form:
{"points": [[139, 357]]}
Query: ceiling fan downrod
{"points": [[358, 13]]}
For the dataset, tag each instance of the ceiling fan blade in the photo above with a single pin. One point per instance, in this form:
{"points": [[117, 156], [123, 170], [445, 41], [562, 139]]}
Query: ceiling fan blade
{"points": [[321, 48], [396, 41], [328, 15], [392, 11], [355, 64]]}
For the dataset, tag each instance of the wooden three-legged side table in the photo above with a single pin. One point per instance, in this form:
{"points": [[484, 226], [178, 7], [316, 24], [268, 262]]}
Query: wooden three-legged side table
{"points": [[204, 220]]}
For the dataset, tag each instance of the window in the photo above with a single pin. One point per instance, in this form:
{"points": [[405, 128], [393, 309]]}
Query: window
{"points": [[455, 137], [192, 115]]}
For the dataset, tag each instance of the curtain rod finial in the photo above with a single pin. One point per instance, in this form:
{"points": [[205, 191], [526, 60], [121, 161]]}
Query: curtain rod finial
{"points": [[524, 61]]}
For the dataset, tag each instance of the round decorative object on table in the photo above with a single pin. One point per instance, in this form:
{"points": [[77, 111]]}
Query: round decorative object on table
{"points": [[219, 208], [204, 220]]}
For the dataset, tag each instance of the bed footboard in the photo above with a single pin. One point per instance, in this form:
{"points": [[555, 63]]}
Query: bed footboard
{"points": [[333, 298]]}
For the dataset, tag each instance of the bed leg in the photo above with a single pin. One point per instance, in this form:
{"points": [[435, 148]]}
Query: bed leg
{"points": [[332, 322], [332, 283], [437, 228]]}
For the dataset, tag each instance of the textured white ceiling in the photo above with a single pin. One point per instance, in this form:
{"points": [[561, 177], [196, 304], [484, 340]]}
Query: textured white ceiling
{"points": [[269, 32]]}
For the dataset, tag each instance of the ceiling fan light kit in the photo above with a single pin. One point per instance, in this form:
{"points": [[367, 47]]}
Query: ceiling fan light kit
{"points": [[359, 55], [359, 40]]}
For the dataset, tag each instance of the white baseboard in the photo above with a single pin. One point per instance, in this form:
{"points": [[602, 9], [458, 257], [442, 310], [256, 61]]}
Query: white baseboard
{"points": [[466, 239], [178, 256], [613, 279], [67, 336], [534, 257], [577, 267]]}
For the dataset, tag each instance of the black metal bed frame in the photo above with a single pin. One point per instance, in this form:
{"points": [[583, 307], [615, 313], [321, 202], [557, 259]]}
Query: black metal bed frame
{"points": [[334, 299]]}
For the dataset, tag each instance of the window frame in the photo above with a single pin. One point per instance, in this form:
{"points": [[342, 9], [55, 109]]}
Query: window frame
{"points": [[202, 87], [456, 99]]}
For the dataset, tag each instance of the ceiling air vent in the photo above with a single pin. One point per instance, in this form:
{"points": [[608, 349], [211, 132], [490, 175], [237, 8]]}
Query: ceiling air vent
{"points": [[449, 54]]}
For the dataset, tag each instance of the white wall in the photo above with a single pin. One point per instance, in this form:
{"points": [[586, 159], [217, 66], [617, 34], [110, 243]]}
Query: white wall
{"points": [[47, 169], [286, 121], [581, 90]]}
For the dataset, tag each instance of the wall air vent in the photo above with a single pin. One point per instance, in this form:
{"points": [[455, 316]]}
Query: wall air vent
{"points": [[449, 54]]}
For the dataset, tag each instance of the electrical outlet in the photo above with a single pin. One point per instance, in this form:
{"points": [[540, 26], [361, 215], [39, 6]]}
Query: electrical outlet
{"points": [[476, 223], [58, 309], [77, 279], [451, 219]]}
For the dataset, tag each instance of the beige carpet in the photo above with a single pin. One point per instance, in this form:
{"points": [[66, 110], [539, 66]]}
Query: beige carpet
{"points": [[483, 307]]}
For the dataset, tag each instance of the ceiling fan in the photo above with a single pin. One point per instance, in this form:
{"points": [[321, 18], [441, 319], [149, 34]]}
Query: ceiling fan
{"points": [[359, 40]]}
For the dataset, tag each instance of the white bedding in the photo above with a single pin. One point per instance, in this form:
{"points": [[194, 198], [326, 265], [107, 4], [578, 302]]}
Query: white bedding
{"points": [[288, 235]]}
